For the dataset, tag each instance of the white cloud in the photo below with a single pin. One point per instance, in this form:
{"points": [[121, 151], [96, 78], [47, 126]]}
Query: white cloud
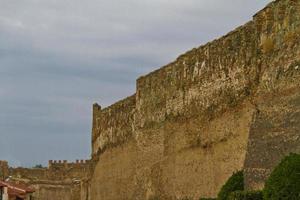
{"points": [[10, 23]]}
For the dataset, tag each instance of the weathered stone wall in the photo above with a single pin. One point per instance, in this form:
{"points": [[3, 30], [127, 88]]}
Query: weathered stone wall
{"points": [[114, 175], [56, 190], [57, 170], [113, 129], [113, 125], [191, 125], [61, 180], [275, 131], [190, 159], [186, 130]]}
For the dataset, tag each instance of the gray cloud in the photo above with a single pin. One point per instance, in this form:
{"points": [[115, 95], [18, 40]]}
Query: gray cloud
{"points": [[58, 57]]}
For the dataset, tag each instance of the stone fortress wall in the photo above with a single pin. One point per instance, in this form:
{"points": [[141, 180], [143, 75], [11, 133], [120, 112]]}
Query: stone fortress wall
{"points": [[195, 121]]}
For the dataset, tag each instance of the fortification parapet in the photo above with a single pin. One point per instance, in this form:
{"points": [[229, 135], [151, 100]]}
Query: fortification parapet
{"points": [[96, 119], [64, 164], [112, 125]]}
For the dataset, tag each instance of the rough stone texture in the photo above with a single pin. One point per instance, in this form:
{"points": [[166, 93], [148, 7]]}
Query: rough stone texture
{"points": [[115, 170], [49, 191], [275, 133], [115, 123], [114, 174], [186, 129]]}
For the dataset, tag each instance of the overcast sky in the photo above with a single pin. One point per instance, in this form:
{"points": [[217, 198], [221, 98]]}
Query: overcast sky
{"points": [[58, 57]]}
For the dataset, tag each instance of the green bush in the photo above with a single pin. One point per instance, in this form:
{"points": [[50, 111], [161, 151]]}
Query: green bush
{"points": [[207, 199], [38, 166], [234, 183], [284, 181], [245, 195]]}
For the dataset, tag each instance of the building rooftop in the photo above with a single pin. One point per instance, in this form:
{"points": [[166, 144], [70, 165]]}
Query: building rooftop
{"points": [[16, 189]]}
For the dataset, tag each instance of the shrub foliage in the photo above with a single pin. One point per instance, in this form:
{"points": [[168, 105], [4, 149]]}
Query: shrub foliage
{"points": [[234, 183], [284, 181], [246, 195]]}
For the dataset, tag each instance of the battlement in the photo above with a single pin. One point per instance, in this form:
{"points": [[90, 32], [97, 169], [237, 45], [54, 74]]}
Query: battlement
{"points": [[58, 170], [66, 164]]}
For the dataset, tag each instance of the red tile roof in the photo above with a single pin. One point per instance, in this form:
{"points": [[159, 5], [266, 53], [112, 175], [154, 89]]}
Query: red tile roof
{"points": [[16, 189]]}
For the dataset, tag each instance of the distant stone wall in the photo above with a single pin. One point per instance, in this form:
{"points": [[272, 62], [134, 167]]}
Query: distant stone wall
{"points": [[63, 165], [57, 170], [61, 180], [187, 128]]}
